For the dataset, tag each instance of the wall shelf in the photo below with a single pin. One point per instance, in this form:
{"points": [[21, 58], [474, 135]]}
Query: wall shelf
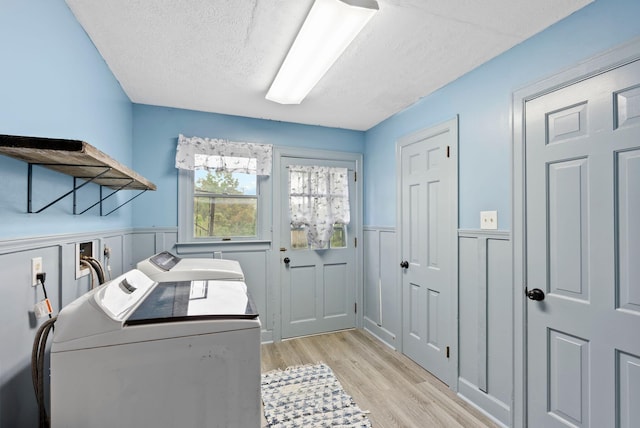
{"points": [[76, 158]]}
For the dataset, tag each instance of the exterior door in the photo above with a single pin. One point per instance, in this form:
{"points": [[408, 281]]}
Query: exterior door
{"points": [[428, 201], [318, 285], [582, 148]]}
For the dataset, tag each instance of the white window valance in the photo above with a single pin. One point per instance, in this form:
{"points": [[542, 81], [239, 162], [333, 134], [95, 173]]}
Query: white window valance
{"points": [[223, 155], [318, 199]]}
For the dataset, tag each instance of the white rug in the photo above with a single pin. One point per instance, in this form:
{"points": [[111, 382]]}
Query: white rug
{"points": [[308, 396]]}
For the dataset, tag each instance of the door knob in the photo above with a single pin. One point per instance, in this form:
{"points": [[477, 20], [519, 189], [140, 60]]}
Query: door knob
{"points": [[404, 264], [286, 261], [535, 294]]}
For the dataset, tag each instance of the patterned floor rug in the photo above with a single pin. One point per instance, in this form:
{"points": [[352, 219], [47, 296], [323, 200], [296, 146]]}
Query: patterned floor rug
{"points": [[308, 396]]}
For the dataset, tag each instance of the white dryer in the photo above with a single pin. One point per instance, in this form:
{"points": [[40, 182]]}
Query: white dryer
{"points": [[165, 266], [137, 353]]}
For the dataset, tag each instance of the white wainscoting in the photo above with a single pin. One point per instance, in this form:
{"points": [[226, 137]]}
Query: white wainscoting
{"points": [[485, 290], [382, 314], [486, 322], [485, 313]]}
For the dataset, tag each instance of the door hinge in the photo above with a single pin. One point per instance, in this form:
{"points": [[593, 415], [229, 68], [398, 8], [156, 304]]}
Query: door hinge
{"points": [[448, 151], [447, 352], [355, 242], [355, 175], [355, 307]]}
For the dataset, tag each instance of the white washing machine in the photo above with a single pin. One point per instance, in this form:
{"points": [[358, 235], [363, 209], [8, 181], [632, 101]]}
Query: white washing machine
{"points": [[165, 266], [137, 353]]}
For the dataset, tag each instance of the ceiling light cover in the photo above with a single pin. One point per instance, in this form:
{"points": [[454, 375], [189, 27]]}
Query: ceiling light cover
{"points": [[329, 28]]}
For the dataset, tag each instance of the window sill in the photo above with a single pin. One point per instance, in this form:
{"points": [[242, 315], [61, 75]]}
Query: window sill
{"points": [[213, 246]]}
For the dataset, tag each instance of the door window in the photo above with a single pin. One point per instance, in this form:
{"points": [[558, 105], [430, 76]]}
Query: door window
{"points": [[319, 206]]}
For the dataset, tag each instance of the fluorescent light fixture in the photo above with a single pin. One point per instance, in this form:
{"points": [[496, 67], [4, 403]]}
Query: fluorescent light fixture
{"points": [[329, 28]]}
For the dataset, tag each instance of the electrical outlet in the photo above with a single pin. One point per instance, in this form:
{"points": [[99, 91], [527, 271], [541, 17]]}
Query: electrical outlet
{"points": [[36, 268], [488, 219]]}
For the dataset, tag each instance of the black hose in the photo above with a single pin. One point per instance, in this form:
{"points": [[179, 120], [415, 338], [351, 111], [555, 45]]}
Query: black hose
{"points": [[37, 369], [40, 345], [41, 404], [97, 266]]}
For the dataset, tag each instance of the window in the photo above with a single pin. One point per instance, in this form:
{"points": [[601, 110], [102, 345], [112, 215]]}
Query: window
{"points": [[225, 205], [222, 188]]}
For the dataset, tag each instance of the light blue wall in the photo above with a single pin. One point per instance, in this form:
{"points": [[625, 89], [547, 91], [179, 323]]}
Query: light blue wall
{"points": [[482, 99], [54, 83], [155, 135]]}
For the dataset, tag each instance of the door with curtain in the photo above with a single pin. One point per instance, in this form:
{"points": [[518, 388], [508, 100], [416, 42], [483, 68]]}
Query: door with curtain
{"points": [[317, 272]]}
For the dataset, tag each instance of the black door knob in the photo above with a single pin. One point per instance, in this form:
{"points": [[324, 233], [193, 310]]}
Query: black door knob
{"points": [[286, 260], [535, 294], [404, 264]]}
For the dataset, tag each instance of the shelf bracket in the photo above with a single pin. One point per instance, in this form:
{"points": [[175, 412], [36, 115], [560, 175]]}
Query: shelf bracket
{"points": [[102, 199], [122, 204], [72, 191]]}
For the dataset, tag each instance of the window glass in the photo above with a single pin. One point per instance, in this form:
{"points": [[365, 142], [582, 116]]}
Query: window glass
{"points": [[231, 183], [225, 205], [299, 239], [339, 236]]}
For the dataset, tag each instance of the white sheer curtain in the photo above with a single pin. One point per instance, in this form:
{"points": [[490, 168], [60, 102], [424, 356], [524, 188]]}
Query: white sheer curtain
{"points": [[318, 199], [223, 155]]}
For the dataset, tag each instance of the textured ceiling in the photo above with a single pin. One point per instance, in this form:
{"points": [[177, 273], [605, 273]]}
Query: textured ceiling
{"points": [[221, 55]]}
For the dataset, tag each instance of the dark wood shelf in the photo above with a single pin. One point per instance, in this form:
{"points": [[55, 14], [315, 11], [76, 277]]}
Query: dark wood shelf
{"points": [[75, 158], [78, 159]]}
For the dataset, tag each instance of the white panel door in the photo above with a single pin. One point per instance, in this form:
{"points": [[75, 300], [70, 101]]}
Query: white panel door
{"points": [[428, 221], [318, 286], [583, 252]]}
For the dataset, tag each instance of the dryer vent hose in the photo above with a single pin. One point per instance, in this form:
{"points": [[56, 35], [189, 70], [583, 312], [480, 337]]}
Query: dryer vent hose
{"points": [[37, 369]]}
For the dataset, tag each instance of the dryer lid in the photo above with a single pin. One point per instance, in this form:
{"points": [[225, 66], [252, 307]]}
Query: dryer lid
{"points": [[165, 260]]}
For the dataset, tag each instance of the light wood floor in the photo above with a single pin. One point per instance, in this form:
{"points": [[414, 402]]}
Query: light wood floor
{"points": [[396, 391]]}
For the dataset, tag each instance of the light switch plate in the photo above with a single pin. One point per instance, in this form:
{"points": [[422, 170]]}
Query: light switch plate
{"points": [[488, 220]]}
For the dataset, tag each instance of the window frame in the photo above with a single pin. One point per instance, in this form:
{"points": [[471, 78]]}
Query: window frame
{"points": [[189, 243]]}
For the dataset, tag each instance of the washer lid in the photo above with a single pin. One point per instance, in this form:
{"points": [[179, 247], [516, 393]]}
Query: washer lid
{"points": [[117, 298], [194, 300]]}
